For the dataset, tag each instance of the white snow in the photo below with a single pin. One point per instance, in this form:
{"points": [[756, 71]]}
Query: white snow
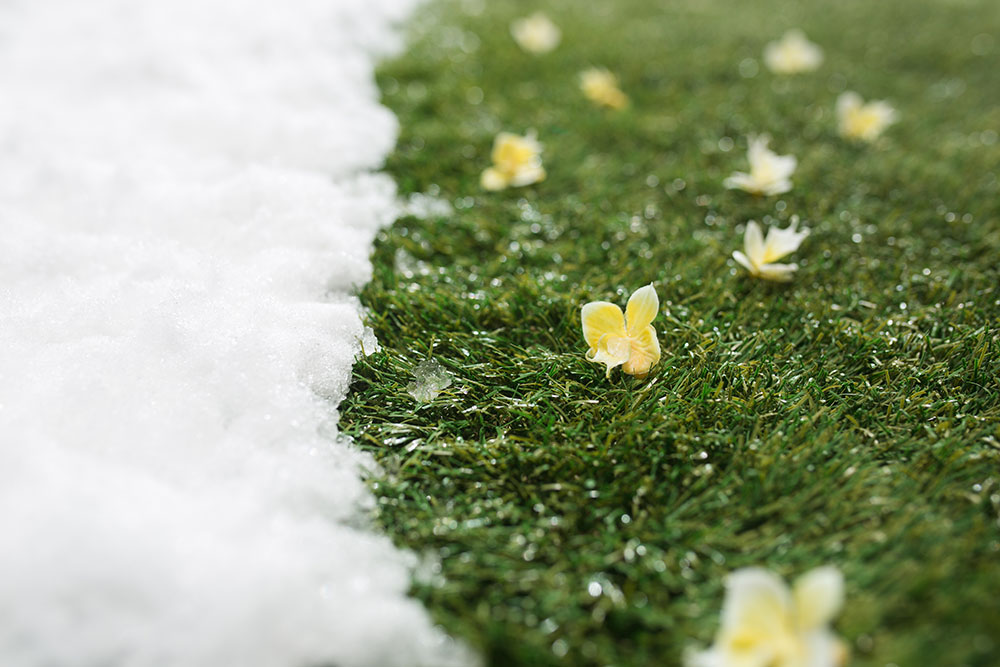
{"points": [[186, 201]]}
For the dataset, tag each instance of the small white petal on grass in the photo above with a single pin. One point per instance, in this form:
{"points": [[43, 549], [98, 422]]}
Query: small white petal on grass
{"points": [[770, 173], [536, 33], [601, 87], [819, 595], [760, 254], [792, 54], [862, 121], [517, 161]]}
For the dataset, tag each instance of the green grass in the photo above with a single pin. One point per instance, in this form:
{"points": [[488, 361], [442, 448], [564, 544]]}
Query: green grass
{"points": [[850, 418]]}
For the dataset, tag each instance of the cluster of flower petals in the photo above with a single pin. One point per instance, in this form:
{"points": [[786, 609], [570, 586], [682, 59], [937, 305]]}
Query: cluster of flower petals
{"points": [[517, 161], [764, 622], [760, 254], [770, 173], [792, 54], [601, 87], [863, 121], [767, 624], [536, 33], [623, 339]]}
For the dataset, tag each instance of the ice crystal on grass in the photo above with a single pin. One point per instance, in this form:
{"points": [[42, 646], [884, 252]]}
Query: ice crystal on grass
{"points": [[429, 379]]}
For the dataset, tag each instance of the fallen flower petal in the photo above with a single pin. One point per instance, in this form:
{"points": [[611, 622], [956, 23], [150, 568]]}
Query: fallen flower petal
{"points": [[792, 54], [764, 624], [759, 254], [623, 339], [517, 161], [536, 33], [601, 87], [860, 121], [769, 172]]}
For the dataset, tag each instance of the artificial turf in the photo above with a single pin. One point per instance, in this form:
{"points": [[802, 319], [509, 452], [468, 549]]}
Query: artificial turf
{"points": [[851, 417]]}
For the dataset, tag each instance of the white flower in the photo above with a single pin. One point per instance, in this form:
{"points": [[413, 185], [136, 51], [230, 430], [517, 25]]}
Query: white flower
{"points": [[516, 161], [792, 54], [623, 339], [769, 172], [601, 87], [862, 121], [761, 254], [764, 624], [536, 33]]}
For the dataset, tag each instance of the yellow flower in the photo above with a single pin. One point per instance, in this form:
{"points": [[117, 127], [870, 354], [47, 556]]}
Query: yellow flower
{"points": [[764, 624], [769, 172], [761, 254], [601, 87], [626, 340], [516, 161], [863, 121], [536, 33], [792, 54]]}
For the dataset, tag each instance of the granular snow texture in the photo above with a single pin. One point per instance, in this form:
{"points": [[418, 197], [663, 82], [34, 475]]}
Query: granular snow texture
{"points": [[185, 204]]}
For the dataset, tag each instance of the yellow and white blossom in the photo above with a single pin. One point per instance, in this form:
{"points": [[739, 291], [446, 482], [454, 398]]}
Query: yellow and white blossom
{"points": [[770, 173], [764, 624], [517, 161], [627, 340], [536, 33], [601, 87], [762, 253], [858, 120], [792, 54]]}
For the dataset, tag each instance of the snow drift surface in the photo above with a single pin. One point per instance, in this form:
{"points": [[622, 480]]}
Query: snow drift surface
{"points": [[185, 204]]}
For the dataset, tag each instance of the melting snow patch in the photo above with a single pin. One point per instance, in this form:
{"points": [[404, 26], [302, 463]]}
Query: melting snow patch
{"points": [[185, 206]]}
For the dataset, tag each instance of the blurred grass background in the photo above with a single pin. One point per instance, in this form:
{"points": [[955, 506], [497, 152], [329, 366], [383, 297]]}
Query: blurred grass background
{"points": [[850, 418]]}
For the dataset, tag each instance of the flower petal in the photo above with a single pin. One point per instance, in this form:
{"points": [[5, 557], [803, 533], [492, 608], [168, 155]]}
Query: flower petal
{"points": [[758, 606], [781, 242], [753, 243], [847, 102], [779, 273], [644, 353], [740, 180], [819, 595], [745, 262], [493, 179], [641, 309], [611, 351], [777, 187], [600, 319], [757, 151], [822, 648], [532, 172], [783, 165]]}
